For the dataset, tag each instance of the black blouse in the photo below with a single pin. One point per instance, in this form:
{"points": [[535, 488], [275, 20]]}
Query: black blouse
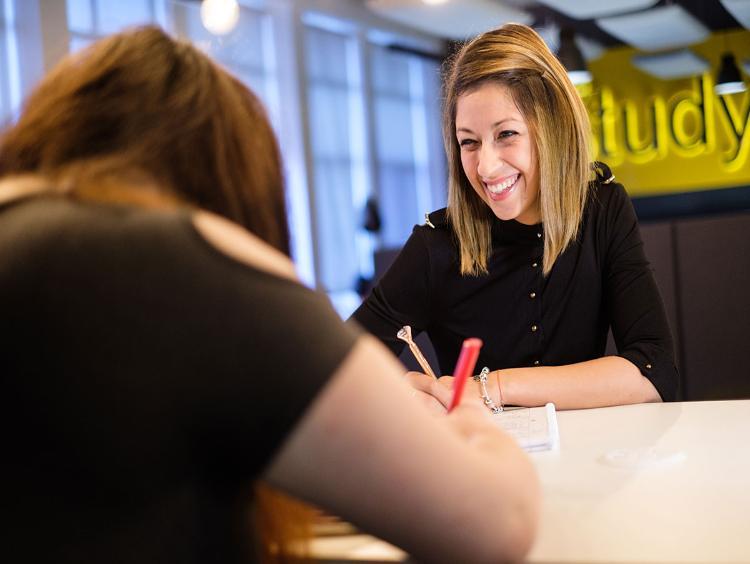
{"points": [[602, 279]]}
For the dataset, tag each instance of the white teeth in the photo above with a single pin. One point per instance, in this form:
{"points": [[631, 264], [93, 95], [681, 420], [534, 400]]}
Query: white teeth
{"points": [[497, 188]]}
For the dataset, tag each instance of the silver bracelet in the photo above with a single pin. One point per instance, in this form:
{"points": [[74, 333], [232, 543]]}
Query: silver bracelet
{"points": [[482, 379]]}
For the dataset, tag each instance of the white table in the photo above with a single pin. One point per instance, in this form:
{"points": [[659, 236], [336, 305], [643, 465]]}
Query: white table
{"points": [[650, 483]]}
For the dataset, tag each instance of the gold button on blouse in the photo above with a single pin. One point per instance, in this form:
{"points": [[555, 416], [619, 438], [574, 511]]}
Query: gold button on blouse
{"points": [[532, 295], [534, 327]]}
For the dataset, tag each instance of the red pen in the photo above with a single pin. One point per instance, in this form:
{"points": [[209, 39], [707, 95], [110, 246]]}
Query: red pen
{"points": [[465, 365]]}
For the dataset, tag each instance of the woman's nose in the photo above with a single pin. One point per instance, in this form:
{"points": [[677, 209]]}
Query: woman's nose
{"points": [[489, 162]]}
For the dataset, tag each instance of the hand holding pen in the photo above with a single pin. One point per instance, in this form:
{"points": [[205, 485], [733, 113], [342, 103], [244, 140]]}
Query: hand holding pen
{"points": [[467, 360]]}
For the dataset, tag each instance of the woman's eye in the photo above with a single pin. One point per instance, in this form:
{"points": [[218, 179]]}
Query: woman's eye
{"points": [[467, 143], [507, 134]]}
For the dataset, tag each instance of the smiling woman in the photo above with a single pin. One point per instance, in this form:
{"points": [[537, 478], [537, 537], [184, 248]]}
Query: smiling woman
{"points": [[497, 154], [538, 252]]}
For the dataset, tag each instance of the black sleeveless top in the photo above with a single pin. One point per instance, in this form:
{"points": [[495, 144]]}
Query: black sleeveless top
{"points": [[147, 379]]}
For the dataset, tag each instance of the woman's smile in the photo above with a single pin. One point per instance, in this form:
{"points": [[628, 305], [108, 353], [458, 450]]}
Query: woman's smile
{"points": [[502, 188]]}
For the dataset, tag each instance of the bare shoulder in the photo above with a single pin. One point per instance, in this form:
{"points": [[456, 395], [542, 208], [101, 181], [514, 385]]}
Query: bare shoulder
{"points": [[21, 186], [239, 244]]}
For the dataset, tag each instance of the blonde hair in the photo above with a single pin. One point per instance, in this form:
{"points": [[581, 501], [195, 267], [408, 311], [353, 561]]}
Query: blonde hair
{"points": [[516, 57]]}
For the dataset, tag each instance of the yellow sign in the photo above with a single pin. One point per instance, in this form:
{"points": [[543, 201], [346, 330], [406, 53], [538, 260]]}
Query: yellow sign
{"points": [[667, 136]]}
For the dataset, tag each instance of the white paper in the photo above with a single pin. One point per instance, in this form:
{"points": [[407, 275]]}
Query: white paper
{"points": [[534, 428]]}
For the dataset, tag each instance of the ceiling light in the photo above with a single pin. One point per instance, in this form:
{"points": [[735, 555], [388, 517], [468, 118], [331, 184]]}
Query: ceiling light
{"points": [[451, 20], [665, 27], [589, 9], [220, 16], [729, 80], [570, 56], [673, 64], [740, 10]]}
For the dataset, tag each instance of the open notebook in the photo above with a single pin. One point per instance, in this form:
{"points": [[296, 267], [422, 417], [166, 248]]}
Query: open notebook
{"points": [[535, 428]]}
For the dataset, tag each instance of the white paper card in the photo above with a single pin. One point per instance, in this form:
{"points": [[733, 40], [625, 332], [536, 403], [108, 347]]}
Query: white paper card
{"points": [[534, 428]]}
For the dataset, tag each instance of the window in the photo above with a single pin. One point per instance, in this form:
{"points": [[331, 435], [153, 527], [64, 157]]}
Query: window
{"points": [[359, 121], [374, 133], [246, 51], [410, 171], [9, 78], [334, 96], [4, 68], [90, 19], [250, 52]]}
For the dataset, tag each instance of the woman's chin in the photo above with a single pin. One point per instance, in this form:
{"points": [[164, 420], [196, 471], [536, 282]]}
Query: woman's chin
{"points": [[503, 213]]}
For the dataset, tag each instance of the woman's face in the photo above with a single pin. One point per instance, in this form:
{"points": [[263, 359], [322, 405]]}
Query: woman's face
{"points": [[497, 153]]}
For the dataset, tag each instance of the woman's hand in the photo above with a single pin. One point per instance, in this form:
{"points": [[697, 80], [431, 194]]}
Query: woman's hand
{"points": [[472, 393], [436, 395], [431, 393]]}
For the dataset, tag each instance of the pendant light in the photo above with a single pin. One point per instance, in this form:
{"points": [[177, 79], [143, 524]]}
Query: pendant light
{"points": [[572, 59], [729, 80], [220, 16]]}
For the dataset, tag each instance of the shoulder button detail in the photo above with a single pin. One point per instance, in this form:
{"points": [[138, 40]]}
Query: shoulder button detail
{"points": [[603, 172], [437, 219]]}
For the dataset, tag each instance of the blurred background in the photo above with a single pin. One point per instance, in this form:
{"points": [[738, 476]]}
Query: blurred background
{"points": [[353, 90]]}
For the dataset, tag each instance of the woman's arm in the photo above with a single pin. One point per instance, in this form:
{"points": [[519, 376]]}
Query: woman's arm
{"points": [[632, 298], [602, 382], [450, 489], [606, 381]]}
